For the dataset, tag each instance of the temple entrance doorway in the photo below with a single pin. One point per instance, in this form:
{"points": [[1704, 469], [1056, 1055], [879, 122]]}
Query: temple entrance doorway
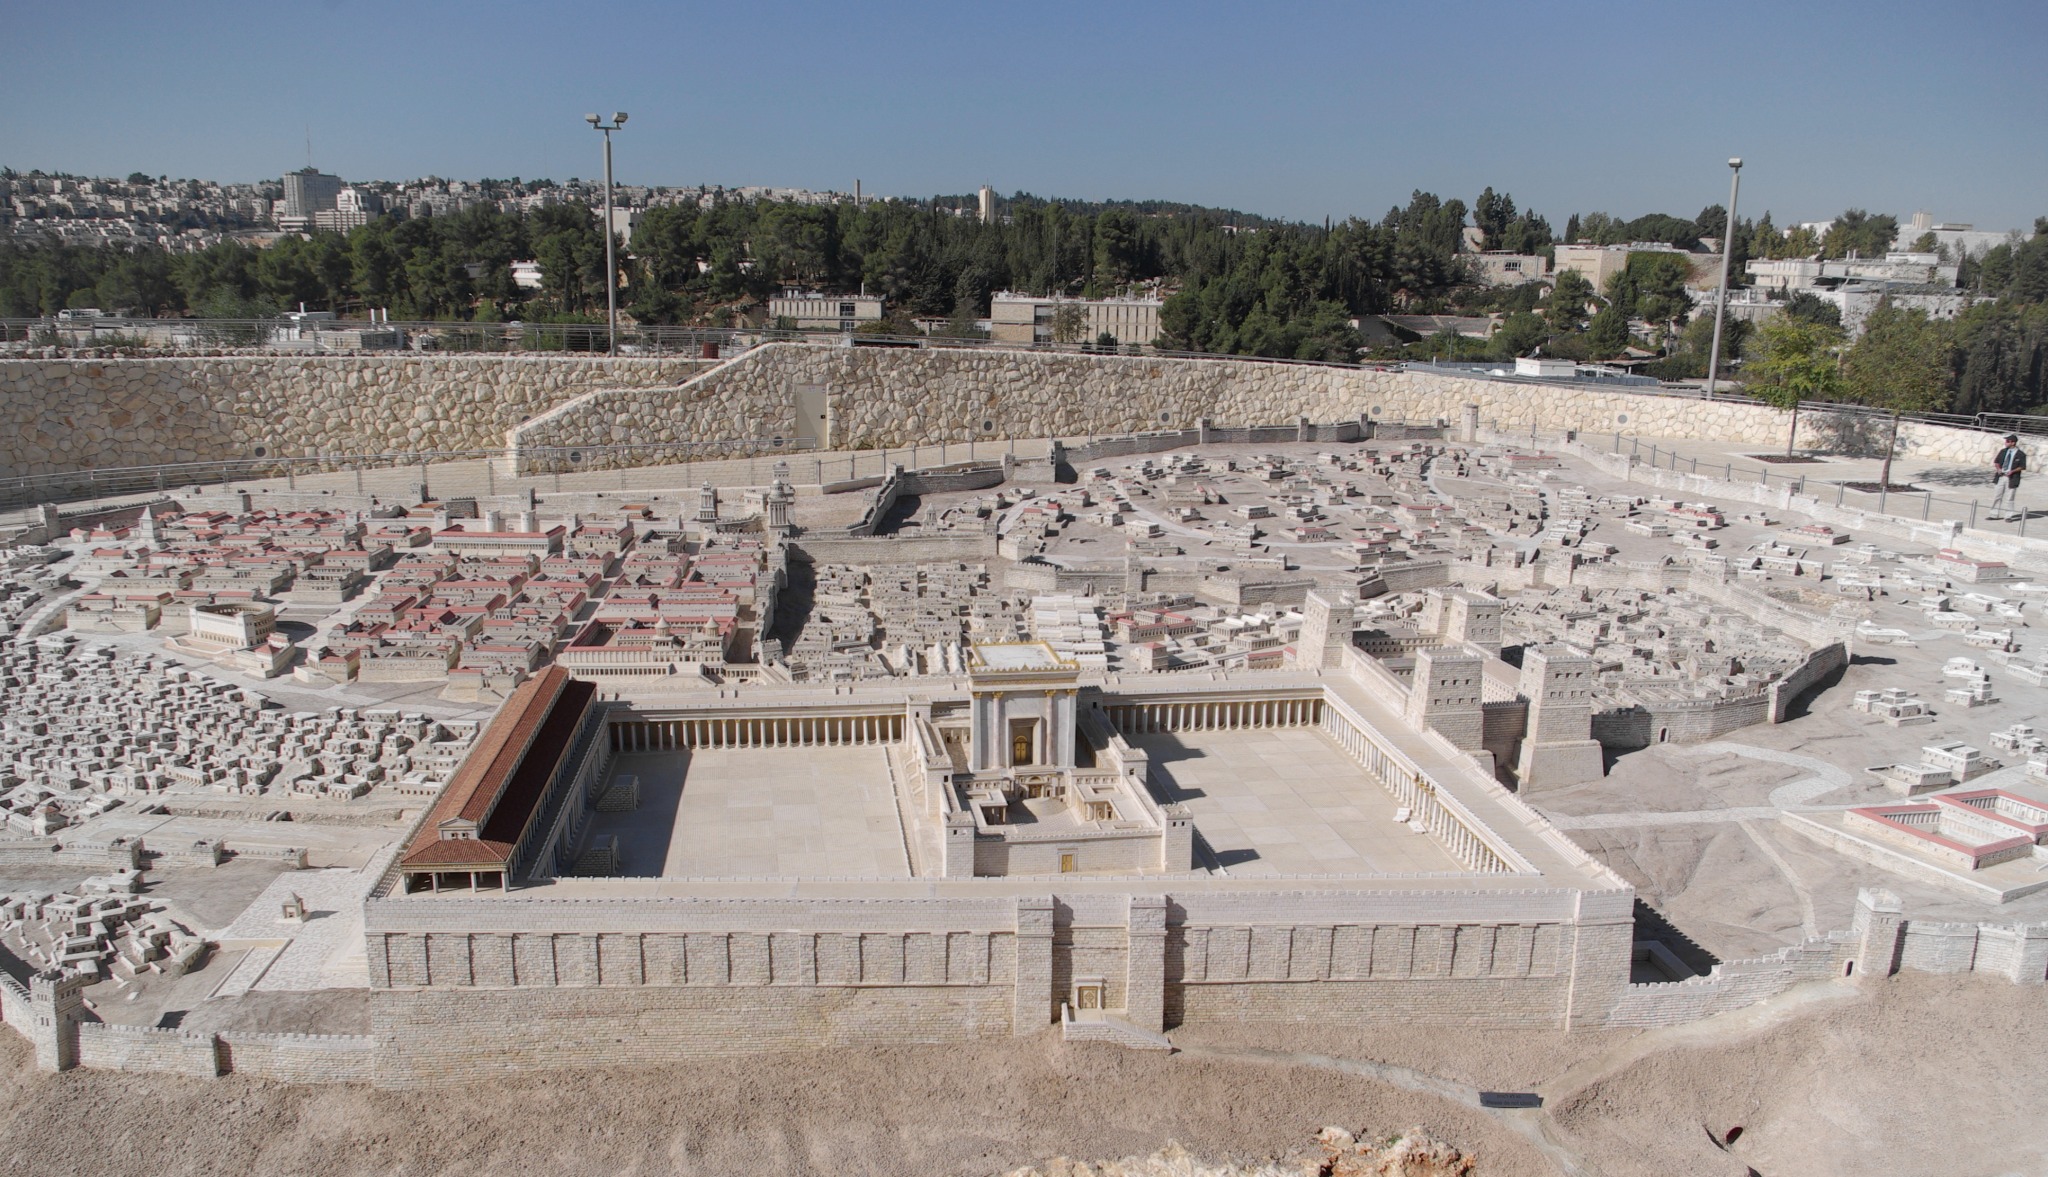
{"points": [[1023, 741]]}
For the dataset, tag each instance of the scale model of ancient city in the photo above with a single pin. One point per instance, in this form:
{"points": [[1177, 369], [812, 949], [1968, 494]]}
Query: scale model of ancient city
{"points": [[979, 694]]}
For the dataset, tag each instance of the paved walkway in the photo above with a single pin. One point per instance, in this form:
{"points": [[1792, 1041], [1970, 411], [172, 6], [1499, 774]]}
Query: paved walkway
{"points": [[1795, 795], [324, 952]]}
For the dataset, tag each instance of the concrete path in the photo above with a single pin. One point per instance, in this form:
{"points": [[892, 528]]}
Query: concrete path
{"points": [[1797, 794]]}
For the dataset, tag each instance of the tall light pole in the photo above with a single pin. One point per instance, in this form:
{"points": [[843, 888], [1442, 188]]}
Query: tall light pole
{"points": [[1727, 252], [611, 266]]}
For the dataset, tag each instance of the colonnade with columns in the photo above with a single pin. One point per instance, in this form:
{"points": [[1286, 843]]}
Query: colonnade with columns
{"points": [[757, 731], [1197, 715]]}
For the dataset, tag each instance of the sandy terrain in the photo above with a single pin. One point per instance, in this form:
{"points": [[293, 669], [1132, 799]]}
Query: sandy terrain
{"points": [[1831, 1080]]}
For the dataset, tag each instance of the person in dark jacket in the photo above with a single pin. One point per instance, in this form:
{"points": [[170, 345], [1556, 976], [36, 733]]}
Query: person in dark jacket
{"points": [[2007, 466]]}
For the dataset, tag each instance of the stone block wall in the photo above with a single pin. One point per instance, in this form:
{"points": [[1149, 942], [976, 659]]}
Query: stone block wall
{"points": [[299, 1058], [429, 1037], [14, 1006], [62, 415], [1881, 943], [890, 397], [1818, 665], [106, 1047]]}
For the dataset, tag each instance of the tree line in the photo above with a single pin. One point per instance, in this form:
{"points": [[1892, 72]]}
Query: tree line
{"points": [[1239, 284]]}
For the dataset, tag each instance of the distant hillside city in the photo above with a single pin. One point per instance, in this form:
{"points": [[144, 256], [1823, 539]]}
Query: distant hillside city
{"points": [[1956, 309]]}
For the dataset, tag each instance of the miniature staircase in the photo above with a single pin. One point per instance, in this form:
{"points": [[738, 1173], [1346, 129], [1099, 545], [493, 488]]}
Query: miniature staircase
{"points": [[1101, 1025]]}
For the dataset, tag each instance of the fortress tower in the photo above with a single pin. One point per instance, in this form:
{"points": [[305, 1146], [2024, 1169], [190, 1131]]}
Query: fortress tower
{"points": [[1558, 746], [1446, 695], [1325, 632]]}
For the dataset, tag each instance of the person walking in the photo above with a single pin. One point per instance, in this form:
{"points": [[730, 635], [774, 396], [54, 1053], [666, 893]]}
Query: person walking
{"points": [[2007, 466]]}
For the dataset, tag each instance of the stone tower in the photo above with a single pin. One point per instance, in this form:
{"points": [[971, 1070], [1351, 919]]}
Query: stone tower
{"points": [[1474, 618], [780, 496], [1446, 695], [56, 1001], [1558, 747], [707, 504], [1326, 627]]}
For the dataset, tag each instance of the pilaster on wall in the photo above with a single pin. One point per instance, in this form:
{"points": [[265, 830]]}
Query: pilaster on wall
{"points": [[1145, 963], [1603, 939], [1035, 1003]]}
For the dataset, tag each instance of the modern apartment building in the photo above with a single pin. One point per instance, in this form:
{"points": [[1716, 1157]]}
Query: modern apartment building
{"points": [[1028, 318], [308, 191], [824, 312]]}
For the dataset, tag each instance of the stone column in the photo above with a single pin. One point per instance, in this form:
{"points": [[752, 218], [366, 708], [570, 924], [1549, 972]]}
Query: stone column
{"points": [[986, 749], [1033, 1001], [1145, 963], [1061, 754]]}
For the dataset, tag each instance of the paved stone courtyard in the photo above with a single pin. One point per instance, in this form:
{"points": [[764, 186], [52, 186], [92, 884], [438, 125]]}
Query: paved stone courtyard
{"points": [[1287, 802], [759, 812]]}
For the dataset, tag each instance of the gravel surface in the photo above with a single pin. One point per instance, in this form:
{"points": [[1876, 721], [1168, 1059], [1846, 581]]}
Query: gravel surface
{"points": [[1864, 1082]]}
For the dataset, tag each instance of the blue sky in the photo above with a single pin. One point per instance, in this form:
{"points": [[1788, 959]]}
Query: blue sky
{"points": [[1301, 110]]}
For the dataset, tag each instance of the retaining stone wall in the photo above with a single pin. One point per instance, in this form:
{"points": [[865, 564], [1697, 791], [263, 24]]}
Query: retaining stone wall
{"points": [[61, 415], [106, 1047], [438, 1036], [299, 1058], [891, 397]]}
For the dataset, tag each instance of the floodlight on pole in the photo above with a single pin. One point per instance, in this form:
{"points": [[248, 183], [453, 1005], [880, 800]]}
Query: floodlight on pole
{"points": [[611, 266], [1727, 252]]}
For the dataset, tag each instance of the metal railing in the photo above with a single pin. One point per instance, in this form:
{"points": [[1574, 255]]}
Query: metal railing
{"points": [[1908, 502]]}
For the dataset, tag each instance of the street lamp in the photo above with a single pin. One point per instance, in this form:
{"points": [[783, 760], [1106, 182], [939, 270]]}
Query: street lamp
{"points": [[611, 267], [1727, 251]]}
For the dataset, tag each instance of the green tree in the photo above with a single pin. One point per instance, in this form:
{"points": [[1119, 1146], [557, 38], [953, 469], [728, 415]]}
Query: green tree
{"points": [[1519, 335], [1493, 214], [1568, 298], [1116, 249], [1861, 233], [1794, 360], [1069, 322], [1812, 308], [1903, 363], [1607, 335]]}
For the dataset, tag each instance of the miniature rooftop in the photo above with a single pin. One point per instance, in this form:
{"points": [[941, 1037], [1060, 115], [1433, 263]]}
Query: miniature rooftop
{"points": [[1000, 656]]}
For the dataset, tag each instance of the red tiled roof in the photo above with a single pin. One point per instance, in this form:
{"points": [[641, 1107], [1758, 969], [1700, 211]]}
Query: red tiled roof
{"points": [[501, 781]]}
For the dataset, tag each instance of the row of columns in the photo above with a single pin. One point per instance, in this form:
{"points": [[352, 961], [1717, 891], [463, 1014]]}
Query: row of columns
{"points": [[1143, 718], [1410, 790], [823, 731]]}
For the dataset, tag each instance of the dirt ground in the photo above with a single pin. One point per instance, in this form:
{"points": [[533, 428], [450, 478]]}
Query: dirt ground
{"points": [[1838, 1082]]}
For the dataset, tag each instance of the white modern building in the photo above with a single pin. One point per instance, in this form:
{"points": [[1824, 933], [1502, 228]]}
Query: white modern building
{"points": [[809, 311], [1029, 318]]}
